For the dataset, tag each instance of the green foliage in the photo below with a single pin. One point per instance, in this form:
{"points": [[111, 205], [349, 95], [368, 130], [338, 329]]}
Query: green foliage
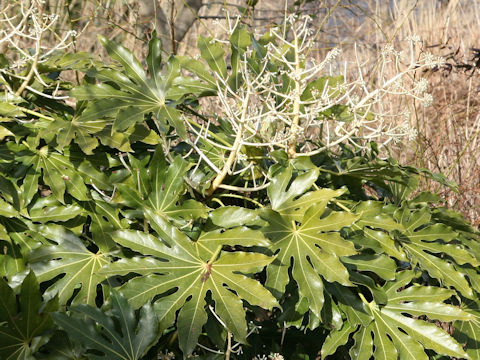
{"points": [[25, 327], [96, 330], [194, 270], [70, 258], [301, 232], [103, 211], [397, 335]]}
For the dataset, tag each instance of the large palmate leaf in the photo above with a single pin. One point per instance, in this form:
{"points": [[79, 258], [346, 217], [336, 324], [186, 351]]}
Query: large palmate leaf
{"points": [[81, 132], [159, 187], [411, 235], [135, 94], [58, 173], [397, 332], [425, 241], [373, 222], [96, 330], [468, 332], [294, 201], [23, 326], [104, 220], [72, 261], [182, 274], [310, 238]]}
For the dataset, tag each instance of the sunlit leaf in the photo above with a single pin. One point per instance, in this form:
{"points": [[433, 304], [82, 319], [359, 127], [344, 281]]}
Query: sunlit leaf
{"points": [[313, 243], [137, 95], [171, 267], [69, 258], [159, 187], [394, 334]]}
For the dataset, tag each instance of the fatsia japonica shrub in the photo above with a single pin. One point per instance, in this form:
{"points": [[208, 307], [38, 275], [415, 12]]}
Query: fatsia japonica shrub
{"points": [[233, 205]]}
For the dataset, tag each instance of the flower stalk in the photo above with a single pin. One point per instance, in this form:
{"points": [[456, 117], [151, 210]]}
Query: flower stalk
{"points": [[292, 146]]}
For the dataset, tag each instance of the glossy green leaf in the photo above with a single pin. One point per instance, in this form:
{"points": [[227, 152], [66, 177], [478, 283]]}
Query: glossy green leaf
{"points": [[154, 59], [281, 197], [97, 111], [58, 173], [385, 242], [239, 41], [374, 215], [81, 132], [383, 266], [208, 242], [363, 344], [349, 302], [7, 210], [171, 263], [137, 95], [105, 219], [159, 187], [213, 53], [96, 330], [9, 192], [201, 70], [4, 132], [316, 238], [230, 216], [123, 140], [49, 209], [396, 335], [173, 117], [127, 117], [12, 261], [468, 332], [10, 110], [335, 339], [70, 258], [132, 66], [422, 236], [30, 183], [24, 326]]}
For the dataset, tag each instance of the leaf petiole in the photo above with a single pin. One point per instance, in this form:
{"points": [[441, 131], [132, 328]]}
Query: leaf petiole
{"points": [[215, 255]]}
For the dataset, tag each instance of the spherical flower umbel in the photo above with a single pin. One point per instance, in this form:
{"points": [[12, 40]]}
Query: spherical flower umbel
{"points": [[427, 100]]}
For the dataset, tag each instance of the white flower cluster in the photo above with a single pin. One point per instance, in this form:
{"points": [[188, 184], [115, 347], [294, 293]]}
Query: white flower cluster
{"points": [[432, 61], [414, 38], [420, 86], [289, 100], [427, 100], [408, 131], [272, 356]]}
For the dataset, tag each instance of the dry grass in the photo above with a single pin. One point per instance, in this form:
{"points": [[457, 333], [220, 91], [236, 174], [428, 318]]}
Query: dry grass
{"points": [[448, 140]]}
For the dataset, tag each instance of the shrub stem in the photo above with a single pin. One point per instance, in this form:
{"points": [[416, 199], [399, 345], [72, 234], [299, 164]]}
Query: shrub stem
{"points": [[292, 145], [233, 154]]}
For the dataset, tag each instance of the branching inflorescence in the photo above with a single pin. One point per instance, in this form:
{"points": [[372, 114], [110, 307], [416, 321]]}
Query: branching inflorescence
{"points": [[289, 100]]}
